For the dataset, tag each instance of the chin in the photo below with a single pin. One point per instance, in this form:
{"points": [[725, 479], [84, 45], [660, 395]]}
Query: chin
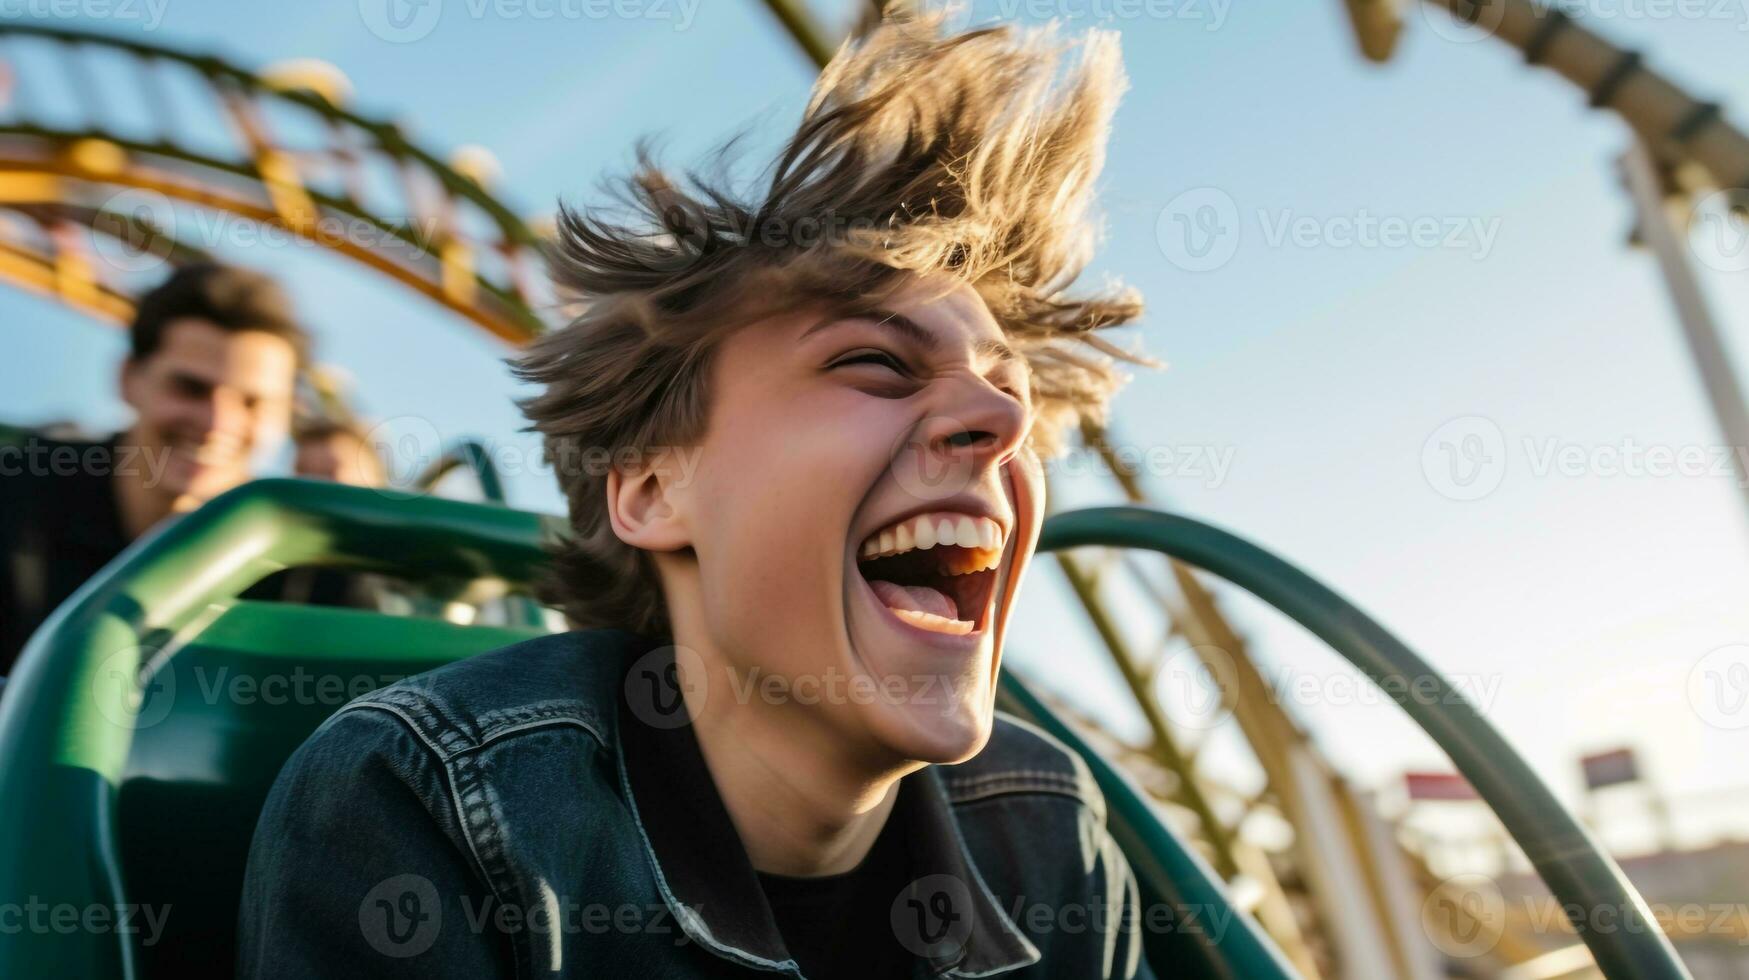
{"points": [[208, 482], [179, 481], [941, 733], [203, 487]]}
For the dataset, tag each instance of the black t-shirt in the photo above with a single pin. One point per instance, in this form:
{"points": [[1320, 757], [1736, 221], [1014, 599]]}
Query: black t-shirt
{"points": [[60, 523], [839, 927]]}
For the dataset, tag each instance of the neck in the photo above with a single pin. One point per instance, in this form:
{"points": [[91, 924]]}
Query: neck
{"points": [[804, 800], [141, 500]]}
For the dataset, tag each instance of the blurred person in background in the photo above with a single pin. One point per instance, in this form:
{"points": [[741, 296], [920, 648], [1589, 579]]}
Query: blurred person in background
{"points": [[338, 452], [210, 375], [329, 449]]}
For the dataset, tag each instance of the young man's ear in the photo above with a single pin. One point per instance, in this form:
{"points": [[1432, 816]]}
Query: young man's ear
{"points": [[641, 505]]}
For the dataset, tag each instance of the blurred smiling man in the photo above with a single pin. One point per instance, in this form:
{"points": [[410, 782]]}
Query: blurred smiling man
{"points": [[771, 746], [210, 375]]}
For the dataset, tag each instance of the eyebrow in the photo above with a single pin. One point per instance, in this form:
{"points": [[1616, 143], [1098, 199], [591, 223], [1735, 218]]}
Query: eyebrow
{"points": [[913, 331]]}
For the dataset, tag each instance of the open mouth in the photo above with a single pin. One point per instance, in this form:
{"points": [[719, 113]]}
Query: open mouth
{"points": [[935, 571]]}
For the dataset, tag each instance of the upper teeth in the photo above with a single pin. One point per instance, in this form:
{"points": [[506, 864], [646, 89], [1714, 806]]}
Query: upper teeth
{"points": [[928, 530]]}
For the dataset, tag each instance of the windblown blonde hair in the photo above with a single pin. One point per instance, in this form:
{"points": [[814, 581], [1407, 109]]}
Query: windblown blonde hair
{"points": [[970, 157]]}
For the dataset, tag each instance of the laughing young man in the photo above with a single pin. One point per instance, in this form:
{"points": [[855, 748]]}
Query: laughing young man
{"points": [[210, 376], [771, 744]]}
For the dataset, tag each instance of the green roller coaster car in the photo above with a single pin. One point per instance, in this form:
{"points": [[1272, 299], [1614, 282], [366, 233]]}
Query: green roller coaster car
{"points": [[127, 797]]}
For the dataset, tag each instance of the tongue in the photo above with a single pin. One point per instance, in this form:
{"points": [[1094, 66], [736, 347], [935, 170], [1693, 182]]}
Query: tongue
{"points": [[917, 598]]}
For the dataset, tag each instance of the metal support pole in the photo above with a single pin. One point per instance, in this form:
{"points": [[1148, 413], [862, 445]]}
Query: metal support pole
{"points": [[1710, 357], [1164, 745], [802, 28]]}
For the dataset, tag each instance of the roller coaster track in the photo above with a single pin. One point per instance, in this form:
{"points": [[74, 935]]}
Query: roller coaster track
{"points": [[1690, 136], [273, 150]]}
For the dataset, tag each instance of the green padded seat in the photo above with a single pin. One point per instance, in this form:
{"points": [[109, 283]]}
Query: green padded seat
{"points": [[214, 727]]}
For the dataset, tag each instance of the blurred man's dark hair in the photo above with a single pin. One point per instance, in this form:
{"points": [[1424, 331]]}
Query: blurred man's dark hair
{"points": [[227, 296]]}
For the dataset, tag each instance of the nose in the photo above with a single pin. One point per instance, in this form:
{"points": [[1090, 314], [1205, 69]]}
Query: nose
{"points": [[975, 423]]}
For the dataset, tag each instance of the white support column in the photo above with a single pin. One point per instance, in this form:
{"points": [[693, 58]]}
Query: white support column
{"points": [[1671, 248]]}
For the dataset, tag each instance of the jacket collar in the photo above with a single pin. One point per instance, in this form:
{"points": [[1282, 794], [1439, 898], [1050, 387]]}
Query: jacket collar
{"points": [[946, 915]]}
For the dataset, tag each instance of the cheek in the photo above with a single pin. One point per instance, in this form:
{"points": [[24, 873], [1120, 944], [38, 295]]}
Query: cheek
{"points": [[154, 404], [800, 456], [1028, 478], [774, 497]]}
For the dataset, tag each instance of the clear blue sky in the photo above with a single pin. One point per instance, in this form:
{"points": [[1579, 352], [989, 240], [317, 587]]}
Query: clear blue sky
{"points": [[1580, 602]]}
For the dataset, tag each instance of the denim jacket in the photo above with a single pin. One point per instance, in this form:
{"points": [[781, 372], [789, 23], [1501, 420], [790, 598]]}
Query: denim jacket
{"points": [[481, 820]]}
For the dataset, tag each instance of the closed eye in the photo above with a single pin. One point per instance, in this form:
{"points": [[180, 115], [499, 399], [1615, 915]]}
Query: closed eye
{"points": [[876, 357]]}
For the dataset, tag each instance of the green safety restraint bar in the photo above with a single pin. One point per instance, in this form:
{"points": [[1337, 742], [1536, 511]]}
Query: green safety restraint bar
{"points": [[1578, 873]]}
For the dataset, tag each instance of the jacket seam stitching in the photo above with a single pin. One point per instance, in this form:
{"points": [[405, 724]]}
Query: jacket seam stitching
{"points": [[984, 796], [1028, 948], [491, 723], [503, 883], [454, 798], [1043, 775], [474, 744], [683, 912], [510, 731], [403, 701]]}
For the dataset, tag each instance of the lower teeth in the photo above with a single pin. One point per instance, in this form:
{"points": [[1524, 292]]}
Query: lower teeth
{"points": [[932, 622]]}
